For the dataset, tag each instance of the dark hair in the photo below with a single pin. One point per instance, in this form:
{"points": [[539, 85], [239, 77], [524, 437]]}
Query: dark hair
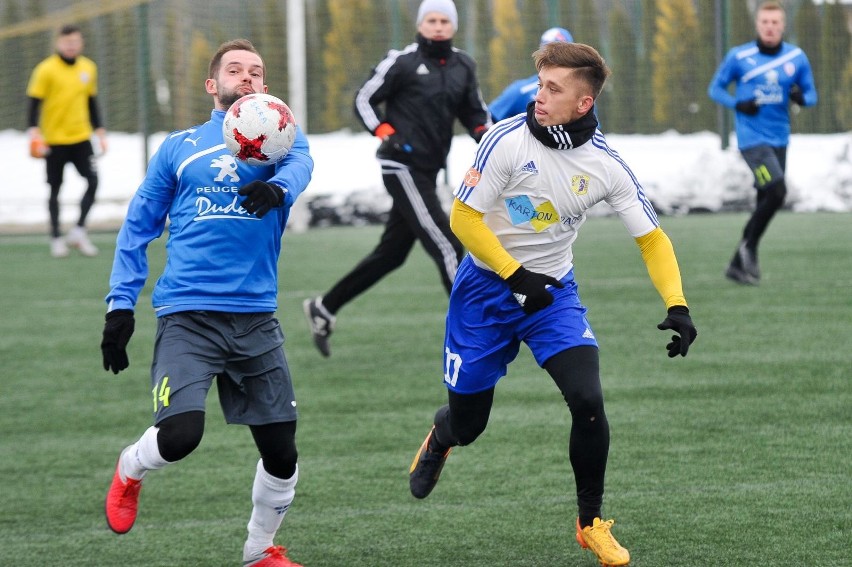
{"points": [[588, 64], [68, 29], [233, 45]]}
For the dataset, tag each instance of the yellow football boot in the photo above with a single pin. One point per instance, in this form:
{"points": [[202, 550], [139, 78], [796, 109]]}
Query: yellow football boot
{"points": [[601, 542]]}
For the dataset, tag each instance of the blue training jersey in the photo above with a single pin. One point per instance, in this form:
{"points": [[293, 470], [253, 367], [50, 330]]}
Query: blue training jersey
{"points": [[219, 257], [767, 79], [514, 99]]}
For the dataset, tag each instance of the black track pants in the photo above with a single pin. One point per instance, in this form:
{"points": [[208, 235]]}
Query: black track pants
{"points": [[416, 214]]}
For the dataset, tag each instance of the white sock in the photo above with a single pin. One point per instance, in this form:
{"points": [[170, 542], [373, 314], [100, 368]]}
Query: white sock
{"points": [[142, 456], [271, 497]]}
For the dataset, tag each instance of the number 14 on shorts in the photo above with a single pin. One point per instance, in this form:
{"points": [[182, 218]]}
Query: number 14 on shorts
{"points": [[161, 393]]}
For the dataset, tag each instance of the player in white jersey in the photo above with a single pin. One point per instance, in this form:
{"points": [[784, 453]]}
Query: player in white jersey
{"points": [[518, 211]]}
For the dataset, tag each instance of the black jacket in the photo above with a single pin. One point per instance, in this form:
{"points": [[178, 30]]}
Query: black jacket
{"points": [[423, 88]]}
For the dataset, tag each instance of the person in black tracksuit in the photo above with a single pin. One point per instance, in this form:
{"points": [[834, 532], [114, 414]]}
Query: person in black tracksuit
{"points": [[410, 102]]}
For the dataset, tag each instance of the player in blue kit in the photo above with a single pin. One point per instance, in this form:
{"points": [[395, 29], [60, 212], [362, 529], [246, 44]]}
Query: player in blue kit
{"points": [[769, 73], [515, 98], [215, 303], [518, 212]]}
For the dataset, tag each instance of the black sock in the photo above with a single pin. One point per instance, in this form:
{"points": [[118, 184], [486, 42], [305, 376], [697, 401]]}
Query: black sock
{"points": [[442, 421], [587, 519], [434, 446]]}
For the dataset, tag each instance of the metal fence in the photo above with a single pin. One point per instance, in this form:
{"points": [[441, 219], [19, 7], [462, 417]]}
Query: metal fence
{"points": [[153, 54]]}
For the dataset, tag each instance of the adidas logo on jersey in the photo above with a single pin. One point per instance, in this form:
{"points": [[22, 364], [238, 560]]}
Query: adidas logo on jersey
{"points": [[422, 70], [530, 167], [588, 334]]}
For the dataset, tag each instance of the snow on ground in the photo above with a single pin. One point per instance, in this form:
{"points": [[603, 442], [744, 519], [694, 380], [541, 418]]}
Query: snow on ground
{"points": [[680, 173]]}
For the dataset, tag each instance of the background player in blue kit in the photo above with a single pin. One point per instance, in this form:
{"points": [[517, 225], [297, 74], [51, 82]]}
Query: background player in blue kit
{"points": [[769, 74], [515, 98], [215, 304], [518, 212]]}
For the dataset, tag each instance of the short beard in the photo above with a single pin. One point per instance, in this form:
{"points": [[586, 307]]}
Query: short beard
{"points": [[229, 98]]}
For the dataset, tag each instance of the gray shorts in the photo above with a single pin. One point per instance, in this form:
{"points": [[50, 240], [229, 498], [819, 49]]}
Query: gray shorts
{"points": [[242, 351], [767, 164]]}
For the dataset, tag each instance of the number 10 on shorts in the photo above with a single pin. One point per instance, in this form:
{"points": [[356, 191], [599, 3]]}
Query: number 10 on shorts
{"points": [[452, 363]]}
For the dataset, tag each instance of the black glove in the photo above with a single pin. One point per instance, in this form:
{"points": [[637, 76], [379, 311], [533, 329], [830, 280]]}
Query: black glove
{"points": [[530, 289], [797, 96], [395, 143], [680, 322], [749, 107], [117, 332], [479, 132], [260, 197]]}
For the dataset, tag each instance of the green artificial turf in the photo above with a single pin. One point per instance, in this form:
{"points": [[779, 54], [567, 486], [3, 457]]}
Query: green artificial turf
{"points": [[739, 454]]}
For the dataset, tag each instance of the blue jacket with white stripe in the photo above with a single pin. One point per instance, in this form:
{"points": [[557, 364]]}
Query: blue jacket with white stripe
{"points": [[219, 257], [767, 78]]}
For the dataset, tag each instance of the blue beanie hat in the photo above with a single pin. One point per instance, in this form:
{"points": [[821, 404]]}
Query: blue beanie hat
{"points": [[556, 34]]}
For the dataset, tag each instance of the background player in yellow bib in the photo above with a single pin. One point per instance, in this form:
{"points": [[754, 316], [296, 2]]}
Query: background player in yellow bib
{"points": [[63, 114], [518, 212]]}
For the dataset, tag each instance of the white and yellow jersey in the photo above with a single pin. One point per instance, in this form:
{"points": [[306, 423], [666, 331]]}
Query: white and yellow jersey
{"points": [[534, 197]]}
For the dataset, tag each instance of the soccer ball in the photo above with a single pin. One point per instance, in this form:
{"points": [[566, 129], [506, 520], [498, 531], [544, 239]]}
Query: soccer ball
{"points": [[259, 129]]}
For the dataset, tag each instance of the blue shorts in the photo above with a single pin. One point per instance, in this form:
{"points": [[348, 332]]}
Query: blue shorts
{"points": [[485, 327]]}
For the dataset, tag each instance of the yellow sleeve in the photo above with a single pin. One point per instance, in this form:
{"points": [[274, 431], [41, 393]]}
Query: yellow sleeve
{"points": [[37, 86], [93, 84], [658, 254], [468, 225]]}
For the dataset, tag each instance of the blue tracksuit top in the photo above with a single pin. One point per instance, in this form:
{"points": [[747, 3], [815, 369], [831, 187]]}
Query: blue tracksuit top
{"points": [[767, 79], [219, 257], [514, 98]]}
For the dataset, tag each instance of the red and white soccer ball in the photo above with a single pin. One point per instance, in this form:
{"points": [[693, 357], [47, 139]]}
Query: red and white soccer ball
{"points": [[259, 129]]}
